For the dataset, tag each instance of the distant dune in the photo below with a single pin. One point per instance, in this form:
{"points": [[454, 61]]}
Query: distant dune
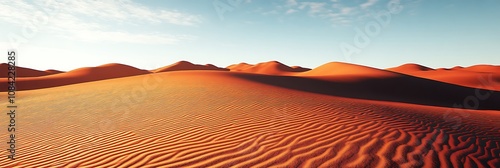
{"points": [[87, 74], [346, 69], [185, 65], [234, 119], [410, 68], [478, 76], [299, 69], [26, 72], [268, 68], [239, 67], [484, 68], [53, 71]]}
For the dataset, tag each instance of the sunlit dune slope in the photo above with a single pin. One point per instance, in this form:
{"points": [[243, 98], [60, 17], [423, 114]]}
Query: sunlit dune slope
{"points": [[185, 65], [405, 68], [268, 68], [227, 119], [347, 69], [239, 67]]}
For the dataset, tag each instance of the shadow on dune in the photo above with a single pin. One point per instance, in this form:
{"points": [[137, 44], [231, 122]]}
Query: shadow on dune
{"points": [[405, 89]]}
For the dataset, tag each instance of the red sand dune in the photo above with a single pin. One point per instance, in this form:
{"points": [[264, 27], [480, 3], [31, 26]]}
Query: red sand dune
{"points": [[299, 68], [269, 68], [87, 74], [346, 69], [232, 119], [26, 72], [409, 68], [53, 71], [239, 67], [484, 68], [401, 88], [185, 65], [479, 76]]}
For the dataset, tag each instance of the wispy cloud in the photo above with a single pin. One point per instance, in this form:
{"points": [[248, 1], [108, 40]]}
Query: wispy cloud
{"points": [[96, 20], [71, 27], [368, 3], [314, 7], [340, 12], [125, 10], [291, 2], [290, 11]]}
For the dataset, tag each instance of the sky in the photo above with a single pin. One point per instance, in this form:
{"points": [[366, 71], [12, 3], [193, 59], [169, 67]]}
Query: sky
{"points": [[65, 35]]}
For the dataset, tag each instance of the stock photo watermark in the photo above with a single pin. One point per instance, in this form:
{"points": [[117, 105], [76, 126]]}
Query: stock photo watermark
{"points": [[11, 106]]}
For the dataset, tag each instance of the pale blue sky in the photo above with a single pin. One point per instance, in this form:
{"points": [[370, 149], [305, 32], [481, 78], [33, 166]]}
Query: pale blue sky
{"points": [[151, 34]]}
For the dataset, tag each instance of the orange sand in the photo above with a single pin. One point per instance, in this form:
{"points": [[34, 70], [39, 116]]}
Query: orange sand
{"points": [[478, 76], [337, 115], [268, 68], [185, 65]]}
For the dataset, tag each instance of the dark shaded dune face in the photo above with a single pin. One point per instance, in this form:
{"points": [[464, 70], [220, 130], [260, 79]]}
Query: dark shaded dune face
{"points": [[403, 88], [23, 72], [53, 71], [299, 69]]}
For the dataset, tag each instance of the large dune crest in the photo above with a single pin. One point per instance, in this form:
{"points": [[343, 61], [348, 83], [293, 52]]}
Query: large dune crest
{"points": [[410, 67], [268, 68], [484, 68], [106, 71], [480, 76], [477, 76], [185, 65], [347, 69]]}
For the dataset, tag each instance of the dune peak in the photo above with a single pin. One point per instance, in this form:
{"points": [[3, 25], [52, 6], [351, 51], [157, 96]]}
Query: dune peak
{"points": [[410, 67]]}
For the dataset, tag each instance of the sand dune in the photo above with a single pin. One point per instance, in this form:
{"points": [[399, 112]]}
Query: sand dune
{"points": [[27, 72], [345, 69], [231, 119], [409, 68], [268, 68], [53, 71], [239, 67], [402, 88], [479, 76], [87, 74], [484, 68], [299, 68], [185, 65]]}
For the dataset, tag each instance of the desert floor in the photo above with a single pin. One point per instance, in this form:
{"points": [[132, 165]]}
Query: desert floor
{"points": [[210, 118]]}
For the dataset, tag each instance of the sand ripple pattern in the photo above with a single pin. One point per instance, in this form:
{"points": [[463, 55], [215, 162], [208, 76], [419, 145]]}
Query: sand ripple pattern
{"points": [[184, 125]]}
